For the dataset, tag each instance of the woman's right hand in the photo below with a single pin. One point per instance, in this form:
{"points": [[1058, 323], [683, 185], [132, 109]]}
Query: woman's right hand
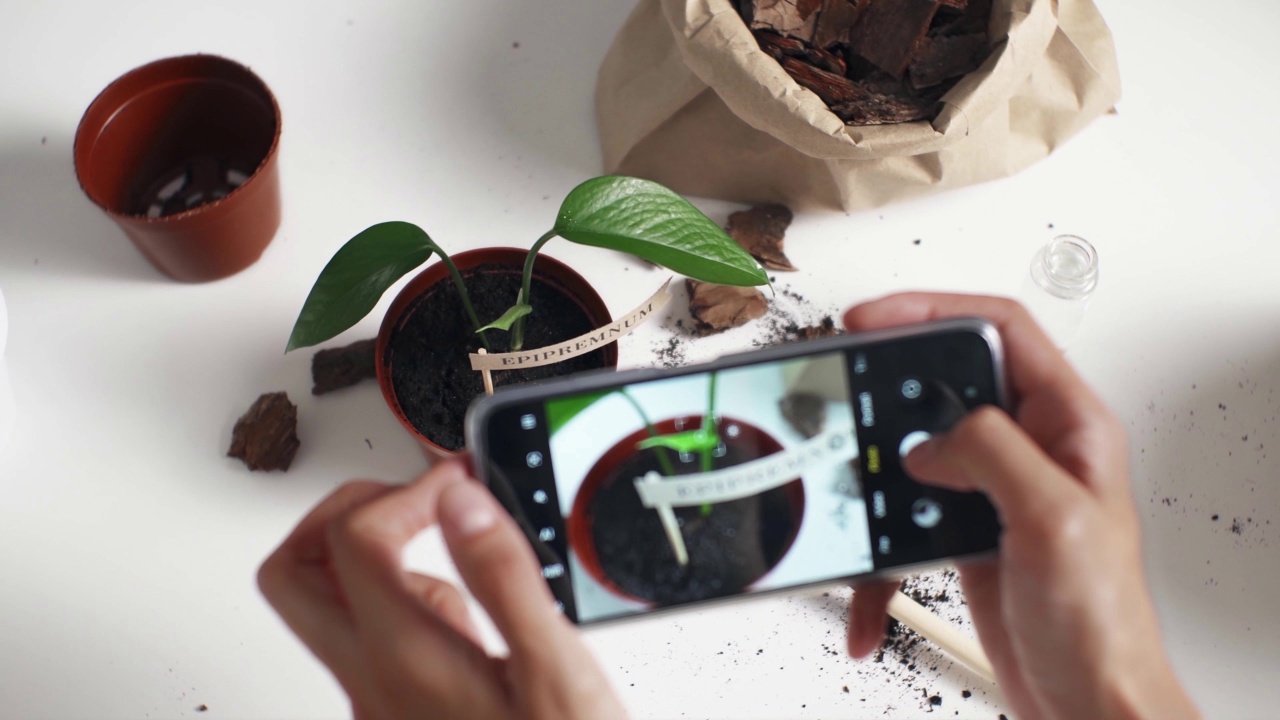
{"points": [[1063, 611]]}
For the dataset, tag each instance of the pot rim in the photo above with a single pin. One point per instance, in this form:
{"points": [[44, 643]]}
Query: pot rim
{"points": [[119, 93], [547, 268]]}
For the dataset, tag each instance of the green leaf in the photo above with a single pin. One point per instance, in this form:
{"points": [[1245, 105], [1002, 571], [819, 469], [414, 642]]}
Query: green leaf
{"points": [[513, 313], [560, 412], [649, 221], [355, 278], [689, 441]]}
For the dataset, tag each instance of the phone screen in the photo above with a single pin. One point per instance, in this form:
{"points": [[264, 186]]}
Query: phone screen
{"points": [[746, 478]]}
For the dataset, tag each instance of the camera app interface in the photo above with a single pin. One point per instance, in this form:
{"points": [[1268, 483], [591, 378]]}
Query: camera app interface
{"points": [[745, 479]]}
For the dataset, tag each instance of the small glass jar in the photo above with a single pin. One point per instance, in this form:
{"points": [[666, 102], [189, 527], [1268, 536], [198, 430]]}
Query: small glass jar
{"points": [[1062, 278]]}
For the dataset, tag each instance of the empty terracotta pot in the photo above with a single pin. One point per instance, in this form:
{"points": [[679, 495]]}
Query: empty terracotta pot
{"points": [[181, 154]]}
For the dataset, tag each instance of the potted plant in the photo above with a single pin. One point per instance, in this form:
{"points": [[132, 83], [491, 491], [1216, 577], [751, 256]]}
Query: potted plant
{"points": [[669, 555], [502, 299]]}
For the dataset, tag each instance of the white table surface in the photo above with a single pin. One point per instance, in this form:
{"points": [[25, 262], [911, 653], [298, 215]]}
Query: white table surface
{"points": [[128, 543]]}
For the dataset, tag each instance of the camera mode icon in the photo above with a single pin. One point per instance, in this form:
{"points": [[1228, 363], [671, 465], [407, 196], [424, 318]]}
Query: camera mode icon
{"points": [[926, 513]]}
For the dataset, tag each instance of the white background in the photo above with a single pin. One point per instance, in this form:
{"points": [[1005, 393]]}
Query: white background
{"points": [[128, 543]]}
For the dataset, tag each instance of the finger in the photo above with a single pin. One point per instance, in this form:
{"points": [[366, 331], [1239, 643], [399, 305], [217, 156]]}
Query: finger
{"points": [[296, 580], [398, 633], [1057, 408], [1034, 361], [367, 544], [986, 451], [443, 600], [500, 569], [980, 583], [868, 615]]}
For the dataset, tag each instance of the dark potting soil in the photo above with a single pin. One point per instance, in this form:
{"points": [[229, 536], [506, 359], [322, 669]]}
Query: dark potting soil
{"points": [[430, 370], [729, 548]]}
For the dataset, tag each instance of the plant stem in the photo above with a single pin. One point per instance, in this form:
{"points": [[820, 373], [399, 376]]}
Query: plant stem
{"points": [[462, 291], [663, 460], [526, 285], [709, 422]]}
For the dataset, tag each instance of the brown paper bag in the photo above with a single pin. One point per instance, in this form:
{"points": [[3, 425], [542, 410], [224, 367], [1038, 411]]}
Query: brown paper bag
{"points": [[687, 98]]}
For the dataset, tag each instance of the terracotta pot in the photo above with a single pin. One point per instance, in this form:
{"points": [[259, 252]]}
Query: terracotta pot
{"points": [[578, 527], [181, 154], [547, 270]]}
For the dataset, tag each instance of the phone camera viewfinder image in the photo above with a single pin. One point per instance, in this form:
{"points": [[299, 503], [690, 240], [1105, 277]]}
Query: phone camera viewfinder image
{"points": [[740, 479]]}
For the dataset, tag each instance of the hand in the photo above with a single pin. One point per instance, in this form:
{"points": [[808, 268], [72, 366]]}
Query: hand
{"points": [[402, 644], [1063, 611]]}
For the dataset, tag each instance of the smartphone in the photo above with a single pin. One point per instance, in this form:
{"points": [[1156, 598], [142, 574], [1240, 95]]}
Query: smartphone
{"points": [[761, 472]]}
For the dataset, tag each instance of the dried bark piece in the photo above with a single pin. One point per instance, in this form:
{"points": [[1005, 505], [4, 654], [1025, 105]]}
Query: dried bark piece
{"points": [[835, 21], [884, 111], [336, 368], [877, 62], [265, 437], [942, 58], [760, 231], [974, 17], [720, 307], [805, 412], [833, 89], [888, 100], [889, 30], [796, 18], [825, 60], [779, 46]]}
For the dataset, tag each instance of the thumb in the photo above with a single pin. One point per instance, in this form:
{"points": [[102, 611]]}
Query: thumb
{"points": [[988, 452], [499, 568]]}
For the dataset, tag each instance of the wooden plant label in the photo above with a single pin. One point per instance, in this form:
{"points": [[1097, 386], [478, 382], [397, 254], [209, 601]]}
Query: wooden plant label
{"points": [[831, 447], [585, 343]]}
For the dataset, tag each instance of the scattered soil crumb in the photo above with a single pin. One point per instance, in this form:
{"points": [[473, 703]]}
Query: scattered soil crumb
{"points": [[202, 708], [790, 317], [905, 657]]}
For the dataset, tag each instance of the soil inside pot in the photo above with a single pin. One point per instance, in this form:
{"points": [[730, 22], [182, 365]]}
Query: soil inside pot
{"points": [[430, 370], [729, 547]]}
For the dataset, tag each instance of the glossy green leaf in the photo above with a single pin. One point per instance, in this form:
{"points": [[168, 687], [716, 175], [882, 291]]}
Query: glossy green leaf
{"points": [[355, 278], [647, 220], [560, 412], [688, 441], [513, 313]]}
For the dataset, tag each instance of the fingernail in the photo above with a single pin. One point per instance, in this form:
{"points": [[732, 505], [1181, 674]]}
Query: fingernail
{"points": [[924, 452], [466, 509]]}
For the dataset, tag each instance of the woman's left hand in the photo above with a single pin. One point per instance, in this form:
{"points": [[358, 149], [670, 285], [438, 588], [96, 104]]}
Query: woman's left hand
{"points": [[402, 644]]}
